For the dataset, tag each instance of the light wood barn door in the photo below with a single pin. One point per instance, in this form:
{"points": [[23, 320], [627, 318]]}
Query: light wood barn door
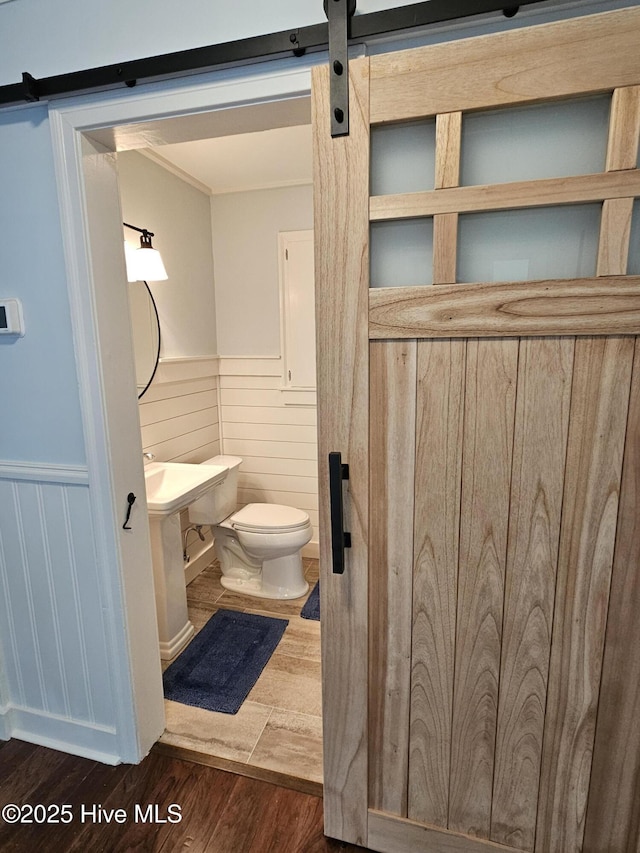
{"points": [[481, 651]]}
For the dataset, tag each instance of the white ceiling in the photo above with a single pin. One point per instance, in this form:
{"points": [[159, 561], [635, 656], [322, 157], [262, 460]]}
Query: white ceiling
{"points": [[246, 161]]}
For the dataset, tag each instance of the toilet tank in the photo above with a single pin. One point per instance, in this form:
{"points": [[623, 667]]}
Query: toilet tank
{"points": [[220, 501]]}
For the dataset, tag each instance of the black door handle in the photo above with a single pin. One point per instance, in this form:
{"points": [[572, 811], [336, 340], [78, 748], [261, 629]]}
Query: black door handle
{"points": [[131, 499], [340, 538]]}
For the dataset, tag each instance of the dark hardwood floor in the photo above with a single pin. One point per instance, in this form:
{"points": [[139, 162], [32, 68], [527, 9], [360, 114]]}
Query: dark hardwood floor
{"points": [[220, 812]]}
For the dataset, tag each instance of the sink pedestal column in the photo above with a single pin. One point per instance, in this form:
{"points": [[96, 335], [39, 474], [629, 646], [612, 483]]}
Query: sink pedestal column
{"points": [[174, 627]]}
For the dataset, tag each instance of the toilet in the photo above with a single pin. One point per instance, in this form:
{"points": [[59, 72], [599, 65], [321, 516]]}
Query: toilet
{"points": [[259, 546]]}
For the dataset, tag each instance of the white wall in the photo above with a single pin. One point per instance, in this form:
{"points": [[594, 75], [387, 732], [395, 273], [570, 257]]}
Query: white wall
{"points": [[41, 37], [119, 30], [180, 217], [38, 387], [277, 440], [245, 247]]}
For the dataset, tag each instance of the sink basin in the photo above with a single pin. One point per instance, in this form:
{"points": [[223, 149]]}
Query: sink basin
{"points": [[172, 486]]}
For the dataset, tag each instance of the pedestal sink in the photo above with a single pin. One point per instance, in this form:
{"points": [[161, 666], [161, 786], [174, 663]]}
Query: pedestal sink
{"points": [[171, 487]]}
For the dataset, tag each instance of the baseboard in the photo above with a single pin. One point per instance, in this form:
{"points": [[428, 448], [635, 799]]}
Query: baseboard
{"points": [[5, 722], [76, 737]]}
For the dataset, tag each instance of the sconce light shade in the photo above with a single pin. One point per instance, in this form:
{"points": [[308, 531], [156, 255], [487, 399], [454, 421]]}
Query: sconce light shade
{"points": [[148, 265], [145, 263]]}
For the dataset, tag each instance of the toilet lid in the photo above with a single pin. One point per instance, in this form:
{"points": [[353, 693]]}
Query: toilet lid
{"points": [[262, 518]]}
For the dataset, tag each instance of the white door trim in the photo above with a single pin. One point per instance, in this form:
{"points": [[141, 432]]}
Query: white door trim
{"points": [[130, 616]]}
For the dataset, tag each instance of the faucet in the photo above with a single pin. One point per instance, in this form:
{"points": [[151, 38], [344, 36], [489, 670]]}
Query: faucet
{"points": [[148, 457]]}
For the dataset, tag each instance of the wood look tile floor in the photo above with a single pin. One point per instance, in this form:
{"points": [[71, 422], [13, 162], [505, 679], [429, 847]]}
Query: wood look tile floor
{"points": [[278, 729]]}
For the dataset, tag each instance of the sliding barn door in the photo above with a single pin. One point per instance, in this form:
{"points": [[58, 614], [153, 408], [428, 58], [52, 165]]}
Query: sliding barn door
{"points": [[478, 302]]}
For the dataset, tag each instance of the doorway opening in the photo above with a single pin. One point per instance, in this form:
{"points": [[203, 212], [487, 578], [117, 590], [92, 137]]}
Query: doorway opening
{"points": [[87, 144], [233, 218]]}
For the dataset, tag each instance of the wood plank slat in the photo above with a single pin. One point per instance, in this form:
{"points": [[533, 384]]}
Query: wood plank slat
{"points": [[271, 449], [277, 482], [542, 417], [440, 411], [174, 407], [578, 189], [173, 428], [598, 417], [613, 810], [292, 415], [179, 388], [615, 232], [394, 835], [341, 195], [267, 465], [491, 376], [445, 248], [392, 459], [293, 433], [592, 53], [591, 306], [624, 129], [188, 443], [448, 142], [447, 174]]}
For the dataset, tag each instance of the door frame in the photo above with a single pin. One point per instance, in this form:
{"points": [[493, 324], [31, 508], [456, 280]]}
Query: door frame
{"points": [[108, 405]]}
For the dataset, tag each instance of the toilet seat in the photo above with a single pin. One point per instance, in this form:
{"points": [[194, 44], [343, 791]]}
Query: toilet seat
{"points": [[269, 518]]}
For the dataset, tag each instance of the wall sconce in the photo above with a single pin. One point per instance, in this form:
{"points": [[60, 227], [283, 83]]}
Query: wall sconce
{"points": [[145, 264]]}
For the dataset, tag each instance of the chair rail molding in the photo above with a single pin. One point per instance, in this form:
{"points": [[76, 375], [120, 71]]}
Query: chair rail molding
{"points": [[44, 472]]}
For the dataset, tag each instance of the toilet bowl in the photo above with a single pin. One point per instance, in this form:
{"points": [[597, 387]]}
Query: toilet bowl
{"points": [[259, 546]]}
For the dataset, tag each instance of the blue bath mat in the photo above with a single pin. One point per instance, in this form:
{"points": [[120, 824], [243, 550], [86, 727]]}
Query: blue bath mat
{"points": [[220, 666], [311, 609]]}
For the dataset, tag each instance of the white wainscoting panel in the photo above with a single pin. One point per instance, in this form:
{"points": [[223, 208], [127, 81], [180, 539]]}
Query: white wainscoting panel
{"points": [[275, 437], [179, 419], [198, 408], [180, 422], [48, 575]]}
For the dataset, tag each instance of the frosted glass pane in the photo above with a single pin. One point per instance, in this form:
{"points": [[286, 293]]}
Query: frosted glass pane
{"points": [[634, 244], [403, 157], [541, 141], [402, 253], [516, 245]]}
